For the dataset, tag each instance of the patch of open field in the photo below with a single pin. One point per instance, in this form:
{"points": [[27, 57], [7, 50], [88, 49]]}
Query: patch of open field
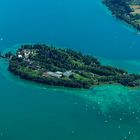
{"points": [[135, 8]]}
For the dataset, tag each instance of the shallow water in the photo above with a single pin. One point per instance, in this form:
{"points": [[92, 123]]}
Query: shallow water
{"points": [[31, 111]]}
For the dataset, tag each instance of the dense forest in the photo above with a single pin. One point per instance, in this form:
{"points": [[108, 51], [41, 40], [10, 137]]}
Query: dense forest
{"points": [[65, 67]]}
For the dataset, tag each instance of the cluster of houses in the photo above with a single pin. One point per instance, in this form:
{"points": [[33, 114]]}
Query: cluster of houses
{"points": [[57, 74], [25, 53]]}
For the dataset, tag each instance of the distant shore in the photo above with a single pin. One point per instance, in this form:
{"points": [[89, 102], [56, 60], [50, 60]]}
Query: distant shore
{"points": [[125, 11]]}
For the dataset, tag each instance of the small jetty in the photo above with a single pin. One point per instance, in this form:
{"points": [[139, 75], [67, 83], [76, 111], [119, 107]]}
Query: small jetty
{"points": [[2, 56], [6, 55]]}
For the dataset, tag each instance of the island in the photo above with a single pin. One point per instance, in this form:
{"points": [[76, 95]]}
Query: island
{"points": [[126, 10], [55, 66]]}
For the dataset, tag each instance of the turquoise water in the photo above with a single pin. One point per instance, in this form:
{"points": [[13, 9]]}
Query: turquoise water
{"points": [[36, 112]]}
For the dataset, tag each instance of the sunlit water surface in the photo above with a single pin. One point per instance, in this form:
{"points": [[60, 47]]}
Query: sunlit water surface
{"points": [[31, 111]]}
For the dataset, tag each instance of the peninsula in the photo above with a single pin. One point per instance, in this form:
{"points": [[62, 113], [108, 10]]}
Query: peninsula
{"points": [[126, 10], [65, 67]]}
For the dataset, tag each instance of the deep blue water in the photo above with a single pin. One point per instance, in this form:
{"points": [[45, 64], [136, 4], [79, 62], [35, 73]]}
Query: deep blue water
{"points": [[82, 25], [35, 112]]}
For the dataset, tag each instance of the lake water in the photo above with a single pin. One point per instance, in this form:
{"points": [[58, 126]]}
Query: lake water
{"points": [[36, 112]]}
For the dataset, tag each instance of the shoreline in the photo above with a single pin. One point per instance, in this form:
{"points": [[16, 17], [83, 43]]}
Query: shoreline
{"points": [[38, 84], [128, 25], [40, 63], [13, 77]]}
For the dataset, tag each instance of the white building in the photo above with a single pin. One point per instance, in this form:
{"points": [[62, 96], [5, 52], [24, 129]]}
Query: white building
{"points": [[19, 56], [52, 74], [59, 72], [68, 73]]}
